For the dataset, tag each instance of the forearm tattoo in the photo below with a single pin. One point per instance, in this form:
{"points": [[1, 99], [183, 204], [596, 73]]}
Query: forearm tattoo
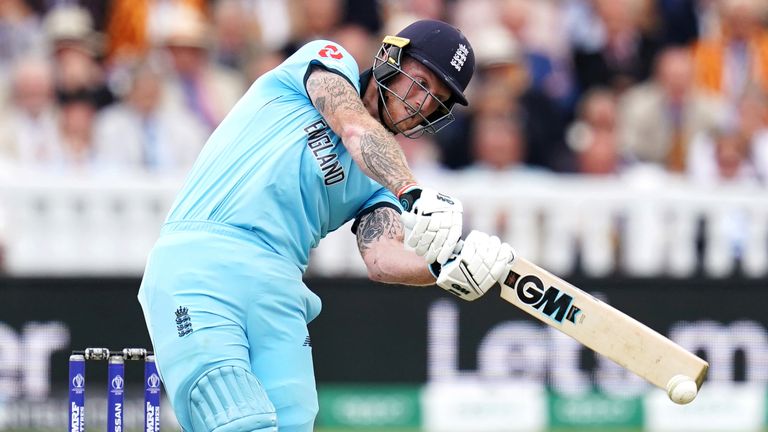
{"points": [[382, 157], [383, 222], [385, 159]]}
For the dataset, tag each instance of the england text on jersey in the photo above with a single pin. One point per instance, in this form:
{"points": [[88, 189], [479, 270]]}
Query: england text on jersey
{"points": [[321, 145]]}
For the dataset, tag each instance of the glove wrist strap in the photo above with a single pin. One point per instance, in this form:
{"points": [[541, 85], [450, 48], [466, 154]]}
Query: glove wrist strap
{"points": [[408, 196], [435, 269], [405, 188]]}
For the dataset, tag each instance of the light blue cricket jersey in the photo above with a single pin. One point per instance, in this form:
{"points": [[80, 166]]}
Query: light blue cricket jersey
{"points": [[274, 167]]}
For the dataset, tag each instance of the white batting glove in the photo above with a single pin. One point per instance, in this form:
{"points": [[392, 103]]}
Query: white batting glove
{"points": [[483, 261], [435, 221]]}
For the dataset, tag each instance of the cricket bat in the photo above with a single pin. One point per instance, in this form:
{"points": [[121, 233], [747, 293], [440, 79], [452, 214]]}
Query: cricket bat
{"points": [[601, 327], [604, 329]]}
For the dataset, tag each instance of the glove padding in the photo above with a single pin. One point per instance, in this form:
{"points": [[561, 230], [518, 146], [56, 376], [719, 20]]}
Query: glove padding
{"points": [[435, 221], [483, 261]]}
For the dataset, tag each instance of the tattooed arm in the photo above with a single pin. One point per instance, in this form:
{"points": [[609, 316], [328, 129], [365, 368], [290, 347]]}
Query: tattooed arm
{"points": [[380, 240], [372, 147], [436, 218]]}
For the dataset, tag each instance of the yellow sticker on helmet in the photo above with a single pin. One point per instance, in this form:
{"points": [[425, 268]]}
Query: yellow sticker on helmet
{"points": [[396, 41]]}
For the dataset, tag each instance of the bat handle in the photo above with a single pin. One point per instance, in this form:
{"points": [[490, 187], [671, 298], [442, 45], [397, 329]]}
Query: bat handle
{"points": [[509, 278]]}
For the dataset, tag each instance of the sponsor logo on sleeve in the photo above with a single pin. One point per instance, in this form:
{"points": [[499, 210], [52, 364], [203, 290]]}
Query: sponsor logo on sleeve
{"points": [[331, 51]]}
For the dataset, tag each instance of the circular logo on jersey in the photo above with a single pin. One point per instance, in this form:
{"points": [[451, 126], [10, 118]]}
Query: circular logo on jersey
{"points": [[331, 51]]}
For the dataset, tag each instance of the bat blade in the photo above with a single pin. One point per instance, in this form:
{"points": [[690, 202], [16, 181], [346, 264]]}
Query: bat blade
{"points": [[599, 326]]}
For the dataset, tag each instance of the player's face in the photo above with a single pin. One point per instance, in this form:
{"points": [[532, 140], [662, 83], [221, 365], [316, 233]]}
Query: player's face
{"points": [[418, 93]]}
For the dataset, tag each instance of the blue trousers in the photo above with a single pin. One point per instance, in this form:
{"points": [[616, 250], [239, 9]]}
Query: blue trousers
{"points": [[213, 298]]}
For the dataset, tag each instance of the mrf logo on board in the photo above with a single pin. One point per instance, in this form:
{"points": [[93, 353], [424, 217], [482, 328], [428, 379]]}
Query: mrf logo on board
{"points": [[549, 301]]}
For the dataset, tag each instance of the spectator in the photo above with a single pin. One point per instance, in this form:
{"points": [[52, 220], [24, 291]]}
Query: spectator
{"points": [[620, 54], [20, 35], [737, 149], [76, 117], [96, 9], [727, 155], [501, 65], [732, 157], [317, 19], [126, 28], [76, 48], [28, 127], [141, 133], [262, 62], [737, 57], [659, 117], [363, 13], [539, 28], [583, 27], [753, 112], [708, 18], [274, 20], [133, 26], [594, 134], [498, 147], [472, 16], [678, 21], [236, 34], [399, 12], [422, 154], [497, 143], [358, 42], [194, 82]]}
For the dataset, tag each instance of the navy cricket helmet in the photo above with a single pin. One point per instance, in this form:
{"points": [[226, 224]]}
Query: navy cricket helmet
{"points": [[444, 50]]}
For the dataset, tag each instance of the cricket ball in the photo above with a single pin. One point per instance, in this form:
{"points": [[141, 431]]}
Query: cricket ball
{"points": [[682, 389]]}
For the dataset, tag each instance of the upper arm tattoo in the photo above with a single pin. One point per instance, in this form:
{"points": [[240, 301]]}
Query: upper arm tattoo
{"points": [[377, 152], [384, 222], [331, 94]]}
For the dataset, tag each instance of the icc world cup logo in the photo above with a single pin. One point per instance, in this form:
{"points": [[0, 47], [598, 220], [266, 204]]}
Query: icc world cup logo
{"points": [[78, 381], [153, 381], [117, 383]]}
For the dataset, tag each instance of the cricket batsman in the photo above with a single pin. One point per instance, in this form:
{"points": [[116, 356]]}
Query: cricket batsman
{"points": [[309, 147]]}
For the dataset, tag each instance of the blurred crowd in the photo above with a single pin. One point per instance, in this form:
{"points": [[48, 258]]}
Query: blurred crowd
{"points": [[567, 86]]}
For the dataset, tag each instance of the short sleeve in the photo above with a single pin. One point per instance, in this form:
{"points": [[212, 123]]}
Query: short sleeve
{"points": [[381, 198], [326, 54]]}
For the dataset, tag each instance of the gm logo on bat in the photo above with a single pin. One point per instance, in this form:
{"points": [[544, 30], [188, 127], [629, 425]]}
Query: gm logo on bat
{"points": [[549, 301]]}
